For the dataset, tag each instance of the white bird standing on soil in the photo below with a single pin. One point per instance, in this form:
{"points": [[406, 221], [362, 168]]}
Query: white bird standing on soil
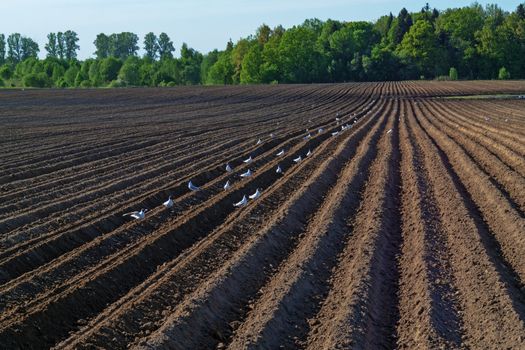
{"points": [[248, 161], [192, 187], [256, 195], [228, 168], [279, 170], [259, 141], [320, 130], [140, 215], [307, 136], [335, 133], [272, 135], [280, 153], [298, 159], [308, 153], [242, 203], [389, 131], [169, 203], [247, 174], [227, 185]]}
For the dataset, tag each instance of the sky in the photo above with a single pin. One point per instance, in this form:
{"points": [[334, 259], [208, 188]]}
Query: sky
{"points": [[203, 25]]}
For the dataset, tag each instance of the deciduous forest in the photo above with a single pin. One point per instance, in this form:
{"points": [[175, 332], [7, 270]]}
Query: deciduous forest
{"points": [[471, 42]]}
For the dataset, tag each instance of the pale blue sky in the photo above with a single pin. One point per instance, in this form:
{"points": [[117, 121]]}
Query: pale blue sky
{"points": [[204, 25]]}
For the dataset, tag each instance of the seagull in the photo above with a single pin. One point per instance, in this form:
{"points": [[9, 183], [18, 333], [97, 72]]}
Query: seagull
{"points": [[259, 141], [168, 203], [248, 161], [227, 185], [280, 153], [336, 119], [242, 203], [335, 133], [279, 170], [228, 168], [137, 214], [192, 187], [389, 131], [298, 159], [272, 135], [247, 174], [307, 137], [309, 153], [256, 195], [320, 130]]}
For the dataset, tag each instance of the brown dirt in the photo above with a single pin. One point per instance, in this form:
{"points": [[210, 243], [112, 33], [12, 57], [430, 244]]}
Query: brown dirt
{"points": [[409, 238]]}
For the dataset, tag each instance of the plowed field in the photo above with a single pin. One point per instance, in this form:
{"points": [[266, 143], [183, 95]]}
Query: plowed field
{"points": [[403, 227]]}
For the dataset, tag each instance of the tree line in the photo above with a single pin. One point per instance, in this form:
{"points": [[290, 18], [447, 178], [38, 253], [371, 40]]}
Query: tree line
{"points": [[471, 42]]}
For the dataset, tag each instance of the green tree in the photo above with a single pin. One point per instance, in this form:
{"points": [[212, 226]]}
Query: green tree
{"points": [[400, 26], [503, 74], [190, 63], [238, 52], [299, 60], [457, 29], [94, 74], [263, 34], [40, 80], [61, 45], [102, 45], [122, 45], [29, 48], [14, 44], [251, 64], [151, 46], [382, 64], [453, 73], [51, 46], [520, 11], [222, 71], [2, 48], [70, 44], [419, 48], [207, 62], [130, 71], [109, 68], [70, 76], [166, 47], [6, 72]]}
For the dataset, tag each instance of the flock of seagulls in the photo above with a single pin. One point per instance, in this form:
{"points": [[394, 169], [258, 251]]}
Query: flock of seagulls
{"points": [[140, 215]]}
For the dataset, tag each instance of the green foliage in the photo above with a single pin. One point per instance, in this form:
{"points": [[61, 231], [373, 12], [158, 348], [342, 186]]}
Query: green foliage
{"points": [[69, 77], [166, 47], [2, 84], [419, 49], [109, 68], [2, 48], [151, 46], [221, 73], [39, 80], [102, 44], [251, 64], [453, 73], [129, 73], [503, 74], [474, 40], [117, 84], [6, 72], [298, 59]]}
